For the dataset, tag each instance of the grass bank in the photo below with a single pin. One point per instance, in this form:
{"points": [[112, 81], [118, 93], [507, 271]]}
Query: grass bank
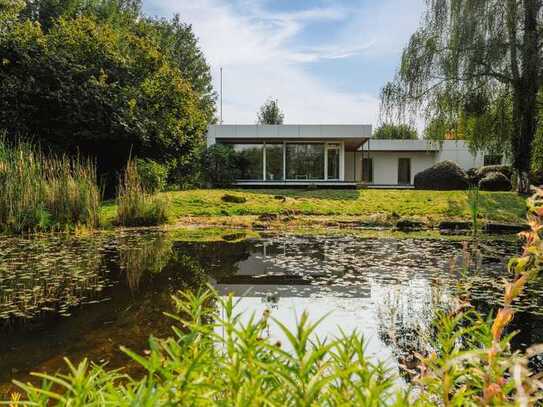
{"points": [[381, 207]]}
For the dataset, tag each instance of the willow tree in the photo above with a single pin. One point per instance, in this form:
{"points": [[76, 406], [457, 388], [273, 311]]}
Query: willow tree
{"points": [[475, 63]]}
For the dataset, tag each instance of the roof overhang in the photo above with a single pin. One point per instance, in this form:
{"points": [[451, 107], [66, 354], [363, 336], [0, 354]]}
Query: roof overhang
{"points": [[353, 136]]}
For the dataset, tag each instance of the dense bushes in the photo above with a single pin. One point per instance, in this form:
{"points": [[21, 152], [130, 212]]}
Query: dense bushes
{"points": [[495, 181], [40, 192], [221, 165], [136, 206], [153, 175], [99, 79], [445, 176]]}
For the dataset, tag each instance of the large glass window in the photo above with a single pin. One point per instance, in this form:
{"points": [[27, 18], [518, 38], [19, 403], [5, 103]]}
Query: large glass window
{"points": [[333, 161], [274, 162], [251, 161], [305, 161]]}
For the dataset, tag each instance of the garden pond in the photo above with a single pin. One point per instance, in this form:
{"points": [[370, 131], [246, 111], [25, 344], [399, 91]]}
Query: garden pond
{"points": [[85, 296]]}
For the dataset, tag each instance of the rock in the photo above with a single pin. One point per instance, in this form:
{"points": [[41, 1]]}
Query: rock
{"points": [[259, 226], [505, 228], [454, 225], [406, 225], [268, 217], [233, 198], [234, 236], [444, 176], [495, 181], [502, 169], [473, 176]]}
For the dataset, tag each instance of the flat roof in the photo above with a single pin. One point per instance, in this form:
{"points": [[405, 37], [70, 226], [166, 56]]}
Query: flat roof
{"points": [[284, 131], [352, 134]]}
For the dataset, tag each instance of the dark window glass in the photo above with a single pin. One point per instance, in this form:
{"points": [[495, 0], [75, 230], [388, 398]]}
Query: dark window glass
{"points": [[333, 163], [404, 171], [251, 161], [274, 162], [305, 161], [492, 159], [367, 170]]}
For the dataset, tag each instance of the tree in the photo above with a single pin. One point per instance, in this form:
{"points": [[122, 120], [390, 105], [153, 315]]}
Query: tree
{"points": [[475, 63], [270, 113], [104, 86], [395, 132]]}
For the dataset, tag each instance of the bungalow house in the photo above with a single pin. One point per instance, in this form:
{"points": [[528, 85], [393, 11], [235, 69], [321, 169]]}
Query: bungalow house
{"points": [[334, 155]]}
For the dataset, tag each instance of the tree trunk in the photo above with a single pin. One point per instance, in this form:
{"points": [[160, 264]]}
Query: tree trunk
{"points": [[525, 98]]}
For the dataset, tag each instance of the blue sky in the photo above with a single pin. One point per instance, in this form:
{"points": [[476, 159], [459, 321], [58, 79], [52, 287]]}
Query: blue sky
{"points": [[325, 60]]}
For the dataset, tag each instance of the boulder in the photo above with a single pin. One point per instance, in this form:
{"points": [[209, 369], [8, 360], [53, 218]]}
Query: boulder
{"points": [[473, 176], [445, 176], [268, 217], [495, 181], [505, 228], [407, 225], [502, 169], [454, 225], [233, 198]]}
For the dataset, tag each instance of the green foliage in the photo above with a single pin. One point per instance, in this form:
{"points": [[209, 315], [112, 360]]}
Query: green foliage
{"points": [[135, 205], [40, 192], [472, 69], [96, 78], [395, 132], [152, 175], [221, 165], [270, 113]]}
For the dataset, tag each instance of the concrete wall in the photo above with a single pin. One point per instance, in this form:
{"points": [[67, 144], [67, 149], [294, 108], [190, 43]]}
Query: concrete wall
{"points": [[352, 165], [385, 164], [458, 152]]}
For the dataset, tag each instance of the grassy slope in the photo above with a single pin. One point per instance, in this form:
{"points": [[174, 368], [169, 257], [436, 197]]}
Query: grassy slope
{"points": [[431, 206]]}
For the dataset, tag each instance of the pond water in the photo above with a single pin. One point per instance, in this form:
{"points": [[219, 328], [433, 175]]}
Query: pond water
{"points": [[86, 296]]}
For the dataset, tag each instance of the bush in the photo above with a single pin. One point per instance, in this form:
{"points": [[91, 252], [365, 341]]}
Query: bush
{"points": [[40, 192], [221, 165], [495, 181], [506, 170], [445, 176], [473, 176], [135, 206], [152, 174]]}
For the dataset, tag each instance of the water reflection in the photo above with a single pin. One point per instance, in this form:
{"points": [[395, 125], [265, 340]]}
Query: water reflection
{"points": [[91, 294]]}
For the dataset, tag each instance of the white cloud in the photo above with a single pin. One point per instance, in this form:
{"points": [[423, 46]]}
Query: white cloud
{"points": [[254, 46]]}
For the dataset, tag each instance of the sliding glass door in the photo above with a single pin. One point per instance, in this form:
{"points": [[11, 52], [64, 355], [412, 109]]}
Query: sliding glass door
{"points": [[305, 161], [291, 161]]}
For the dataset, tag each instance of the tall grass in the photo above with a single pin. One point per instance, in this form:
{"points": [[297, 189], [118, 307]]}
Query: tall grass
{"points": [[213, 359], [41, 192], [135, 205]]}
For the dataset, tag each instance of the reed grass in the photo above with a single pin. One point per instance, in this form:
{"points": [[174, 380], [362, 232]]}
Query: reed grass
{"points": [[40, 192], [135, 205]]}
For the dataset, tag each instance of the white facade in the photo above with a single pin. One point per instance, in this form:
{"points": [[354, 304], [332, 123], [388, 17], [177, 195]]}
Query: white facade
{"points": [[334, 155]]}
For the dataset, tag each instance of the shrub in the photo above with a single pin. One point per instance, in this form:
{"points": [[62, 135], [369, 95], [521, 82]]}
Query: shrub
{"points": [[221, 165], [233, 198], [506, 170], [135, 206], [445, 175], [39, 192], [495, 181], [152, 174]]}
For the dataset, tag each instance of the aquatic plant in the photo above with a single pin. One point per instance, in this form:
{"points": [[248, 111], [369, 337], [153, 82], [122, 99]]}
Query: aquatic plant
{"points": [[136, 206], [474, 201], [40, 192], [213, 358]]}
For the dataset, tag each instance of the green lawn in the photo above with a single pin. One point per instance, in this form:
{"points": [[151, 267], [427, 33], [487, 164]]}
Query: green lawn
{"points": [[430, 206]]}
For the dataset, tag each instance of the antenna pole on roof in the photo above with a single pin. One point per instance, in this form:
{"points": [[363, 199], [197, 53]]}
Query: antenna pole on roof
{"points": [[221, 98]]}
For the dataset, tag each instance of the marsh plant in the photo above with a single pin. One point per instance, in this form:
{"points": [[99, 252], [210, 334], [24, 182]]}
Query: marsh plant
{"points": [[41, 192], [474, 203], [215, 359], [136, 205]]}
